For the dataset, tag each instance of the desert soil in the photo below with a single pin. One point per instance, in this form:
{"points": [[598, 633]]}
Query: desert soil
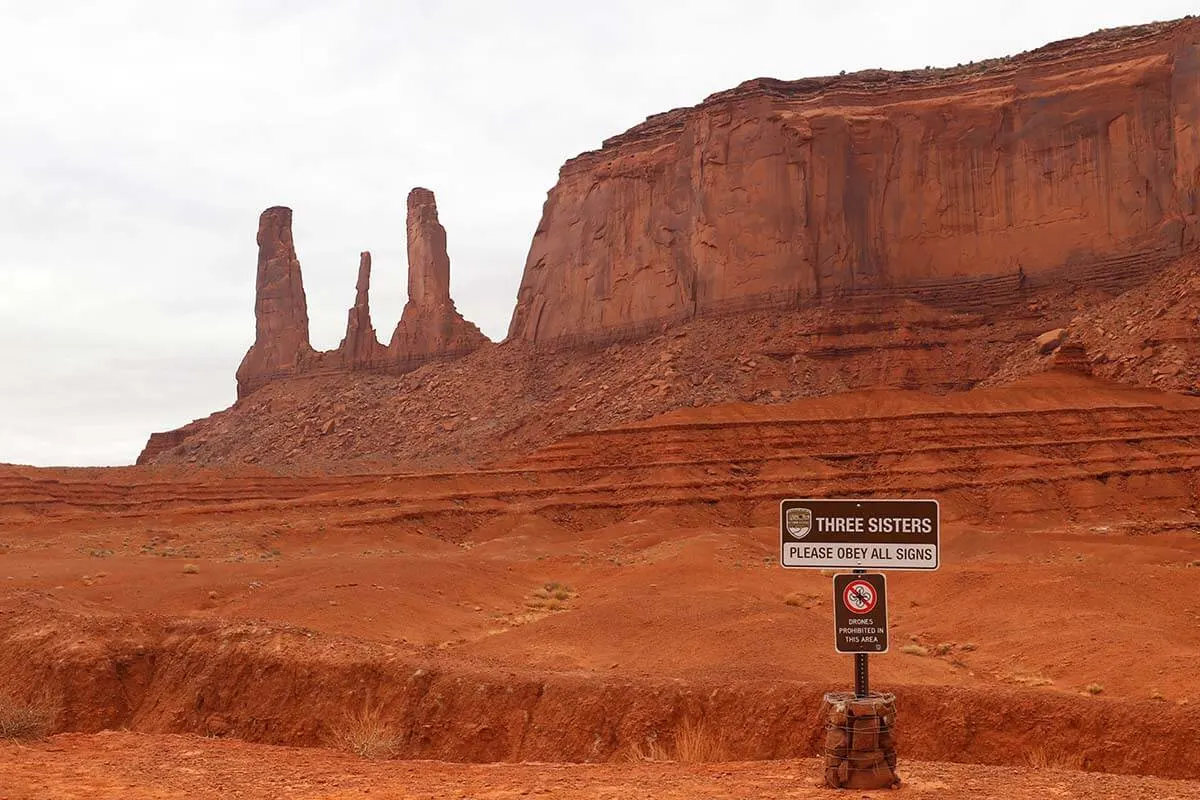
{"points": [[141, 767], [593, 599]]}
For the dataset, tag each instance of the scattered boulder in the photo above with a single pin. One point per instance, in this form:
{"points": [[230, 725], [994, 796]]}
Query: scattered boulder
{"points": [[1050, 341]]}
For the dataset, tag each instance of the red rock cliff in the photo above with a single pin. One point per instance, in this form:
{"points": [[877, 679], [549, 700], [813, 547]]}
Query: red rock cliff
{"points": [[430, 328], [785, 192]]}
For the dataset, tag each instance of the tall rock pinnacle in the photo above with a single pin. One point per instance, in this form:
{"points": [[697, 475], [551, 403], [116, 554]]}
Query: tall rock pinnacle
{"points": [[360, 347], [430, 325], [280, 308], [428, 262]]}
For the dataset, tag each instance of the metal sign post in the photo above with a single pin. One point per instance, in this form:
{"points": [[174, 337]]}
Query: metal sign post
{"points": [[862, 668], [859, 535]]}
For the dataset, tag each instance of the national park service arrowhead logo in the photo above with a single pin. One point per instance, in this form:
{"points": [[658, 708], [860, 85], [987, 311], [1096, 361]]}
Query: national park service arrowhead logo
{"points": [[798, 522]]}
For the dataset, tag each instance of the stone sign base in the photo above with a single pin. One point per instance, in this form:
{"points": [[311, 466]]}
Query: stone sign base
{"points": [[860, 741]]}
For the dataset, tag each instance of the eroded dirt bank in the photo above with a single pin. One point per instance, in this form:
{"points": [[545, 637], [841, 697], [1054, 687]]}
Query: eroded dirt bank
{"points": [[291, 686]]}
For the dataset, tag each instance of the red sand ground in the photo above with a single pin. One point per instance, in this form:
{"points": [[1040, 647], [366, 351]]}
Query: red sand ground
{"points": [[254, 607], [142, 767]]}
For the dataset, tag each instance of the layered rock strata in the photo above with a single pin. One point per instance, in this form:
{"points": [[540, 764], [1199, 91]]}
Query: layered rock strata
{"points": [[1082, 157], [431, 327]]}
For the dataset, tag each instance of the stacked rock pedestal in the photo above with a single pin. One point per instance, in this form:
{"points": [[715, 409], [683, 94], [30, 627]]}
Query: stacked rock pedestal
{"points": [[860, 741]]}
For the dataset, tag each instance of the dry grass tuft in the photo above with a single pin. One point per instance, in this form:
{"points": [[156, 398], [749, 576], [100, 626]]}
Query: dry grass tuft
{"points": [[694, 742], [190, 569], [1094, 689], [650, 750], [26, 722], [914, 650], [551, 596], [1040, 758], [793, 599], [366, 734]]}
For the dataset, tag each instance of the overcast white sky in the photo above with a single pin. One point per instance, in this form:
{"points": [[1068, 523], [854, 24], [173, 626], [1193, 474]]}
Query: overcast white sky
{"points": [[140, 140]]}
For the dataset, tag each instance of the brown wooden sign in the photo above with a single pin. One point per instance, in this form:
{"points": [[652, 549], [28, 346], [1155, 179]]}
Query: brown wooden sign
{"points": [[859, 534], [860, 613]]}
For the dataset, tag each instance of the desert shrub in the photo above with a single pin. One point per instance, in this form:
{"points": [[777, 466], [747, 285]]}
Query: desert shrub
{"points": [[26, 721], [366, 734], [914, 650]]}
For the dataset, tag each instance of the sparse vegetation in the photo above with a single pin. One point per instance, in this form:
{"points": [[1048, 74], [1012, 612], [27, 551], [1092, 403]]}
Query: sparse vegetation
{"points": [[968, 647], [1094, 689], [1031, 681], [914, 650], [793, 599], [26, 721], [366, 734], [1195, 563], [1040, 758], [943, 648], [693, 742], [190, 569], [550, 596]]}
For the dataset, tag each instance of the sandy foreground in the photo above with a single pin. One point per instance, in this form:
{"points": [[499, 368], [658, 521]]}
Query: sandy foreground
{"points": [[128, 765], [610, 592]]}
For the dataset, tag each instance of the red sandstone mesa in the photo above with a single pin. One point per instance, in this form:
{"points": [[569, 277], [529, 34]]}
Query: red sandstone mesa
{"points": [[430, 328], [787, 192]]}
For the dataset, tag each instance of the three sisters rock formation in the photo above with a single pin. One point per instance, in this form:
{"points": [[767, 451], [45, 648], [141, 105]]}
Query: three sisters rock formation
{"points": [[430, 326]]}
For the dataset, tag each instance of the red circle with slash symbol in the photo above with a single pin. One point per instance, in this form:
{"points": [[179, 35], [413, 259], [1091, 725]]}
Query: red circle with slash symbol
{"points": [[859, 597]]}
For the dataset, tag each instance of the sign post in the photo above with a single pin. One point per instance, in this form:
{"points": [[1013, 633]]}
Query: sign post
{"points": [[859, 535]]}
